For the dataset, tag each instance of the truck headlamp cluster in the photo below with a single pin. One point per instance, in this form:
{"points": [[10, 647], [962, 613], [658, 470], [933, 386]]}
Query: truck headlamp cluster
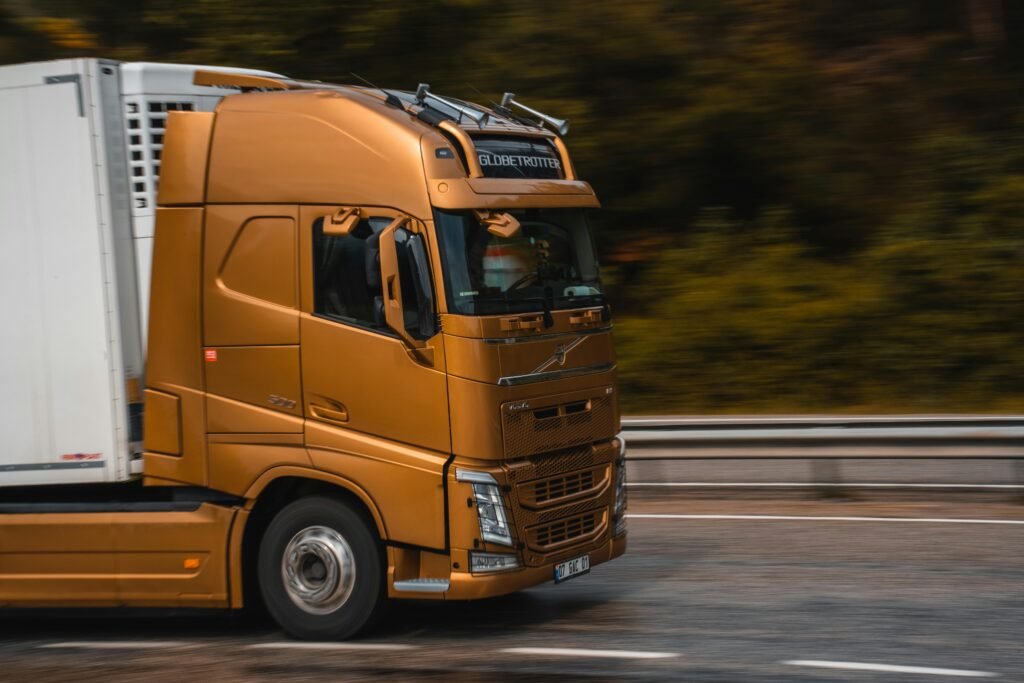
{"points": [[619, 513], [490, 507]]}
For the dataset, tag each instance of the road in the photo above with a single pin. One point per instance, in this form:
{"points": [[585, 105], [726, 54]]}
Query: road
{"points": [[694, 599]]}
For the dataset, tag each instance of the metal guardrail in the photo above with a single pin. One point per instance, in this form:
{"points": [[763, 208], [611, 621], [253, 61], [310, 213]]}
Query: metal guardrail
{"points": [[995, 437], [825, 441]]}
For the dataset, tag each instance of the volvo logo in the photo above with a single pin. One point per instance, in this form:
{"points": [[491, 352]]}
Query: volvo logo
{"points": [[560, 354], [560, 351]]}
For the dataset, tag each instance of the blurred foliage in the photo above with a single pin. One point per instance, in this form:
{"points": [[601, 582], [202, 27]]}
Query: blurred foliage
{"points": [[809, 206]]}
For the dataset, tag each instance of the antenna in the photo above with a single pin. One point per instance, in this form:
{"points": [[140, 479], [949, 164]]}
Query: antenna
{"points": [[561, 126], [388, 97], [478, 117]]}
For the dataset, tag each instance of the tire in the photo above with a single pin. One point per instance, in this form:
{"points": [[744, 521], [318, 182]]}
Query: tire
{"points": [[320, 569]]}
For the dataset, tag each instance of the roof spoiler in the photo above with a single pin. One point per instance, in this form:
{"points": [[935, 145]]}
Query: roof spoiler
{"points": [[226, 79]]}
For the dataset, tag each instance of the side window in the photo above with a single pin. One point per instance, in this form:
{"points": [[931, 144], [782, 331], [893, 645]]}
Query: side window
{"points": [[346, 274]]}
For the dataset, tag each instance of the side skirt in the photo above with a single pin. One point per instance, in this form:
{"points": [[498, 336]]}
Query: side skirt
{"points": [[140, 553]]}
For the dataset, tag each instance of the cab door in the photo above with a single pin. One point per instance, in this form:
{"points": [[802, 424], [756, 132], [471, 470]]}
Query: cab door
{"points": [[375, 408]]}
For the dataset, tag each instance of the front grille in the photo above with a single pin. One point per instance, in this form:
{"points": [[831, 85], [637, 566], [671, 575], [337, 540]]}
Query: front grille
{"points": [[562, 500], [550, 482], [558, 422], [560, 487], [549, 536], [552, 464]]}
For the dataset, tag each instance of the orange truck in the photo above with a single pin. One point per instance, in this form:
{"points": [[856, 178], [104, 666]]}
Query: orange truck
{"points": [[296, 343]]}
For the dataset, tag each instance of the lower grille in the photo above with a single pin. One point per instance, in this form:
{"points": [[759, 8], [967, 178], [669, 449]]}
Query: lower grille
{"points": [[560, 487], [548, 537], [562, 500]]}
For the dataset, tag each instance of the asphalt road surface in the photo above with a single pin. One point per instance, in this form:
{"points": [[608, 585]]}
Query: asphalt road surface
{"points": [[709, 590], [975, 473]]}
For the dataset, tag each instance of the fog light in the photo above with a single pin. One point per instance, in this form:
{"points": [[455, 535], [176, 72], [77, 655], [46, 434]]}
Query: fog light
{"points": [[483, 563], [620, 525], [490, 507]]}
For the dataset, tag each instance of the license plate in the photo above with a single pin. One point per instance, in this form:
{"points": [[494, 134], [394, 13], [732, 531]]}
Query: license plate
{"points": [[570, 568]]}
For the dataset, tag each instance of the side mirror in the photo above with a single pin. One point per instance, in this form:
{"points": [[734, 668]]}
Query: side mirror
{"points": [[341, 222], [499, 223]]}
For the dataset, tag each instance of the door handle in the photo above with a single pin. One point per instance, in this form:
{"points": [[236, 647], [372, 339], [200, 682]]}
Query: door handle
{"points": [[335, 414]]}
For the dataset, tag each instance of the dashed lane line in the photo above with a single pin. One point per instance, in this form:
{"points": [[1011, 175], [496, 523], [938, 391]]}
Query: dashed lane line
{"points": [[296, 645], [890, 668], [805, 484], [575, 652], [837, 518], [114, 644]]}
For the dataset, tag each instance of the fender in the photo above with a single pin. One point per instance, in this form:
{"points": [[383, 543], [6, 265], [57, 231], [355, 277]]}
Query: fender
{"points": [[237, 533], [274, 473]]}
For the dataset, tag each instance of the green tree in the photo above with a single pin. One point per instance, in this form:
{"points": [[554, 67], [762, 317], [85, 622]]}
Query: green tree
{"points": [[808, 206]]}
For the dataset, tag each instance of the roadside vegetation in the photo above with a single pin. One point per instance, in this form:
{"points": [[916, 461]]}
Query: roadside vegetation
{"points": [[809, 206]]}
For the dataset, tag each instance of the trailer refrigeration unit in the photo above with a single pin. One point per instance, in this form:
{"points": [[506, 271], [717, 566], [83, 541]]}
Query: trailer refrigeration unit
{"points": [[310, 344]]}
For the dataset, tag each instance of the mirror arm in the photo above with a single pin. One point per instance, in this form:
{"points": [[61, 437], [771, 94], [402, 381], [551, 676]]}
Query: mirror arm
{"points": [[499, 223], [341, 222]]}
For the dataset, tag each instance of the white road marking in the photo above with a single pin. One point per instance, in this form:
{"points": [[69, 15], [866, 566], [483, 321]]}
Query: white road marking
{"points": [[289, 645], [798, 419], [114, 644], [574, 652], [891, 668], [802, 484], [798, 518]]}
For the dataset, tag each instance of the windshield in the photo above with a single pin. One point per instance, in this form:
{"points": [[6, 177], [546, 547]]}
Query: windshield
{"points": [[549, 264]]}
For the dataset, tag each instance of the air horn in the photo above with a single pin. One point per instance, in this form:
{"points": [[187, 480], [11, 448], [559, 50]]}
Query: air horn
{"points": [[561, 126]]}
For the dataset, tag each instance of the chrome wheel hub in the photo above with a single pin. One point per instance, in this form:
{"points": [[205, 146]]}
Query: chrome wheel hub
{"points": [[318, 570]]}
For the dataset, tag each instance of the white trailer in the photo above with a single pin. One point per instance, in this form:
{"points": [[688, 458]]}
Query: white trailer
{"points": [[80, 144]]}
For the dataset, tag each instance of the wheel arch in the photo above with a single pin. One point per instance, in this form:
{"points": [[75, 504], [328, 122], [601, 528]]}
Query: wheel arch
{"points": [[270, 493]]}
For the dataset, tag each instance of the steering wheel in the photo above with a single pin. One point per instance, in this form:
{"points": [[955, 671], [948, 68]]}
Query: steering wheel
{"points": [[529, 277]]}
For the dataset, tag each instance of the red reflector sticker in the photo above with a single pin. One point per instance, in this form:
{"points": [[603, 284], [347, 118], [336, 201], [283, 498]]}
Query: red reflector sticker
{"points": [[82, 456], [211, 355]]}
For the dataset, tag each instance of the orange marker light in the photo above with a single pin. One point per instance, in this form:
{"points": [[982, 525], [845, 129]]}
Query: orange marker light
{"points": [[191, 563]]}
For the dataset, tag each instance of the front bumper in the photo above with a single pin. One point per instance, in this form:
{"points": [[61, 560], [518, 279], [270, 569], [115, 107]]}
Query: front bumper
{"points": [[558, 505], [466, 586]]}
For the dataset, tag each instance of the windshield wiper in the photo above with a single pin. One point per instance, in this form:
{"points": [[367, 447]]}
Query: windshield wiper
{"points": [[549, 303]]}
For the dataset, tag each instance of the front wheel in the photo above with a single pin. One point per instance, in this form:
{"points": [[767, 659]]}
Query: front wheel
{"points": [[320, 569]]}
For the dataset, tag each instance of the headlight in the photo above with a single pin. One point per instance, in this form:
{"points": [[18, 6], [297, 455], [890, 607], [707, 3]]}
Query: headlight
{"points": [[490, 507], [619, 513]]}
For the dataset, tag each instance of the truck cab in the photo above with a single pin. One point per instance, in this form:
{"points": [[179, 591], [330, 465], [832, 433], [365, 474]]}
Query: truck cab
{"points": [[378, 360]]}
